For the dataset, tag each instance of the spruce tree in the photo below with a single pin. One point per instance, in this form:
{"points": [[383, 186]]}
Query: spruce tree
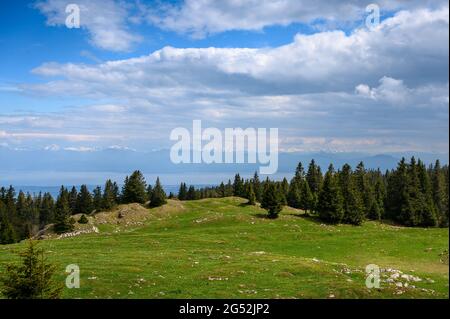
{"points": [[109, 195], [7, 233], [63, 223], [330, 206], [32, 279], [46, 210], [73, 197], [134, 189], [191, 193], [20, 220], [158, 195], [97, 201], [411, 212], [257, 187], [238, 186], [440, 194], [299, 174], [272, 200], [149, 191], [428, 210], [397, 195], [294, 194], [222, 191], [353, 205], [229, 188], [306, 198], [251, 195], [365, 190], [284, 189], [314, 180], [380, 199], [11, 212], [85, 204], [182, 193]]}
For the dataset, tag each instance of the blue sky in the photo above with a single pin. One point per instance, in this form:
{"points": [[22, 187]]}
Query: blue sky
{"points": [[137, 69]]}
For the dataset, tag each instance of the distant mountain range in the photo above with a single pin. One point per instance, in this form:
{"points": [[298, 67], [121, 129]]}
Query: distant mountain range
{"points": [[28, 167]]}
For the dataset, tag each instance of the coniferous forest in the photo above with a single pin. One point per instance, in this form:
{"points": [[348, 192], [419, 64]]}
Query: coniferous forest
{"points": [[411, 195]]}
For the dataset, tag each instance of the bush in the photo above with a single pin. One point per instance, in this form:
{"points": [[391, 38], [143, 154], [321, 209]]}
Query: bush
{"points": [[83, 220]]}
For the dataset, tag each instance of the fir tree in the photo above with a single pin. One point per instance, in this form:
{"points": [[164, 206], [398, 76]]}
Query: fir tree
{"points": [[366, 192], [7, 233], [284, 188], [191, 193], [294, 194], [380, 198], [251, 195], [428, 210], [306, 198], [272, 200], [314, 180], [257, 187], [85, 204], [238, 186], [32, 279], [440, 194], [149, 191], [62, 223], [330, 206], [73, 197], [222, 191], [109, 200], [182, 193], [397, 196], [158, 195], [353, 205], [134, 189], [46, 210], [299, 173], [97, 201]]}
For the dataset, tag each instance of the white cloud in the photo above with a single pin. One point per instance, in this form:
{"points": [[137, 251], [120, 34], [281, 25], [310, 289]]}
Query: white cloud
{"points": [[390, 90], [80, 149], [203, 17], [412, 46], [108, 108], [105, 21], [46, 135], [329, 87], [52, 147]]}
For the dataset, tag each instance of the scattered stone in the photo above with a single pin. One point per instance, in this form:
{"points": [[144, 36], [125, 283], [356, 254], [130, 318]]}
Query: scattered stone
{"points": [[217, 278]]}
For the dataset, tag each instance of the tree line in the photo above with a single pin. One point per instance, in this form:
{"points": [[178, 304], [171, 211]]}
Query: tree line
{"points": [[22, 216], [411, 195]]}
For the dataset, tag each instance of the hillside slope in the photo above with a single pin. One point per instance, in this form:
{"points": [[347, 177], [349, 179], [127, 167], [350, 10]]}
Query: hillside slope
{"points": [[222, 248]]}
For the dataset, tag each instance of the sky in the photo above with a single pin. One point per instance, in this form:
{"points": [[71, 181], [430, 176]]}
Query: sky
{"points": [[135, 70]]}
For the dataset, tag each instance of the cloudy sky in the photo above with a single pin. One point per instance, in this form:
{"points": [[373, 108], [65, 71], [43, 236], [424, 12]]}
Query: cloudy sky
{"points": [[135, 70]]}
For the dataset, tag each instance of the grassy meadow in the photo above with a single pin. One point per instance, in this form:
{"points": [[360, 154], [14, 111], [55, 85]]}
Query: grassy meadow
{"points": [[222, 248]]}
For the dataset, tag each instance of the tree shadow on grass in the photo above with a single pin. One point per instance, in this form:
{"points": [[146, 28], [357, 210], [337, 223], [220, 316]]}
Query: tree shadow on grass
{"points": [[261, 215], [244, 204], [313, 218]]}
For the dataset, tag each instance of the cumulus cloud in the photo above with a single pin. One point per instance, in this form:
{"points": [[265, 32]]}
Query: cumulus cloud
{"points": [[106, 21], [412, 46], [200, 18], [332, 89]]}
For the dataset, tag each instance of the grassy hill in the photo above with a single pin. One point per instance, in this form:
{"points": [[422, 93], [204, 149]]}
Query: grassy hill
{"points": [[221, 248]]}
